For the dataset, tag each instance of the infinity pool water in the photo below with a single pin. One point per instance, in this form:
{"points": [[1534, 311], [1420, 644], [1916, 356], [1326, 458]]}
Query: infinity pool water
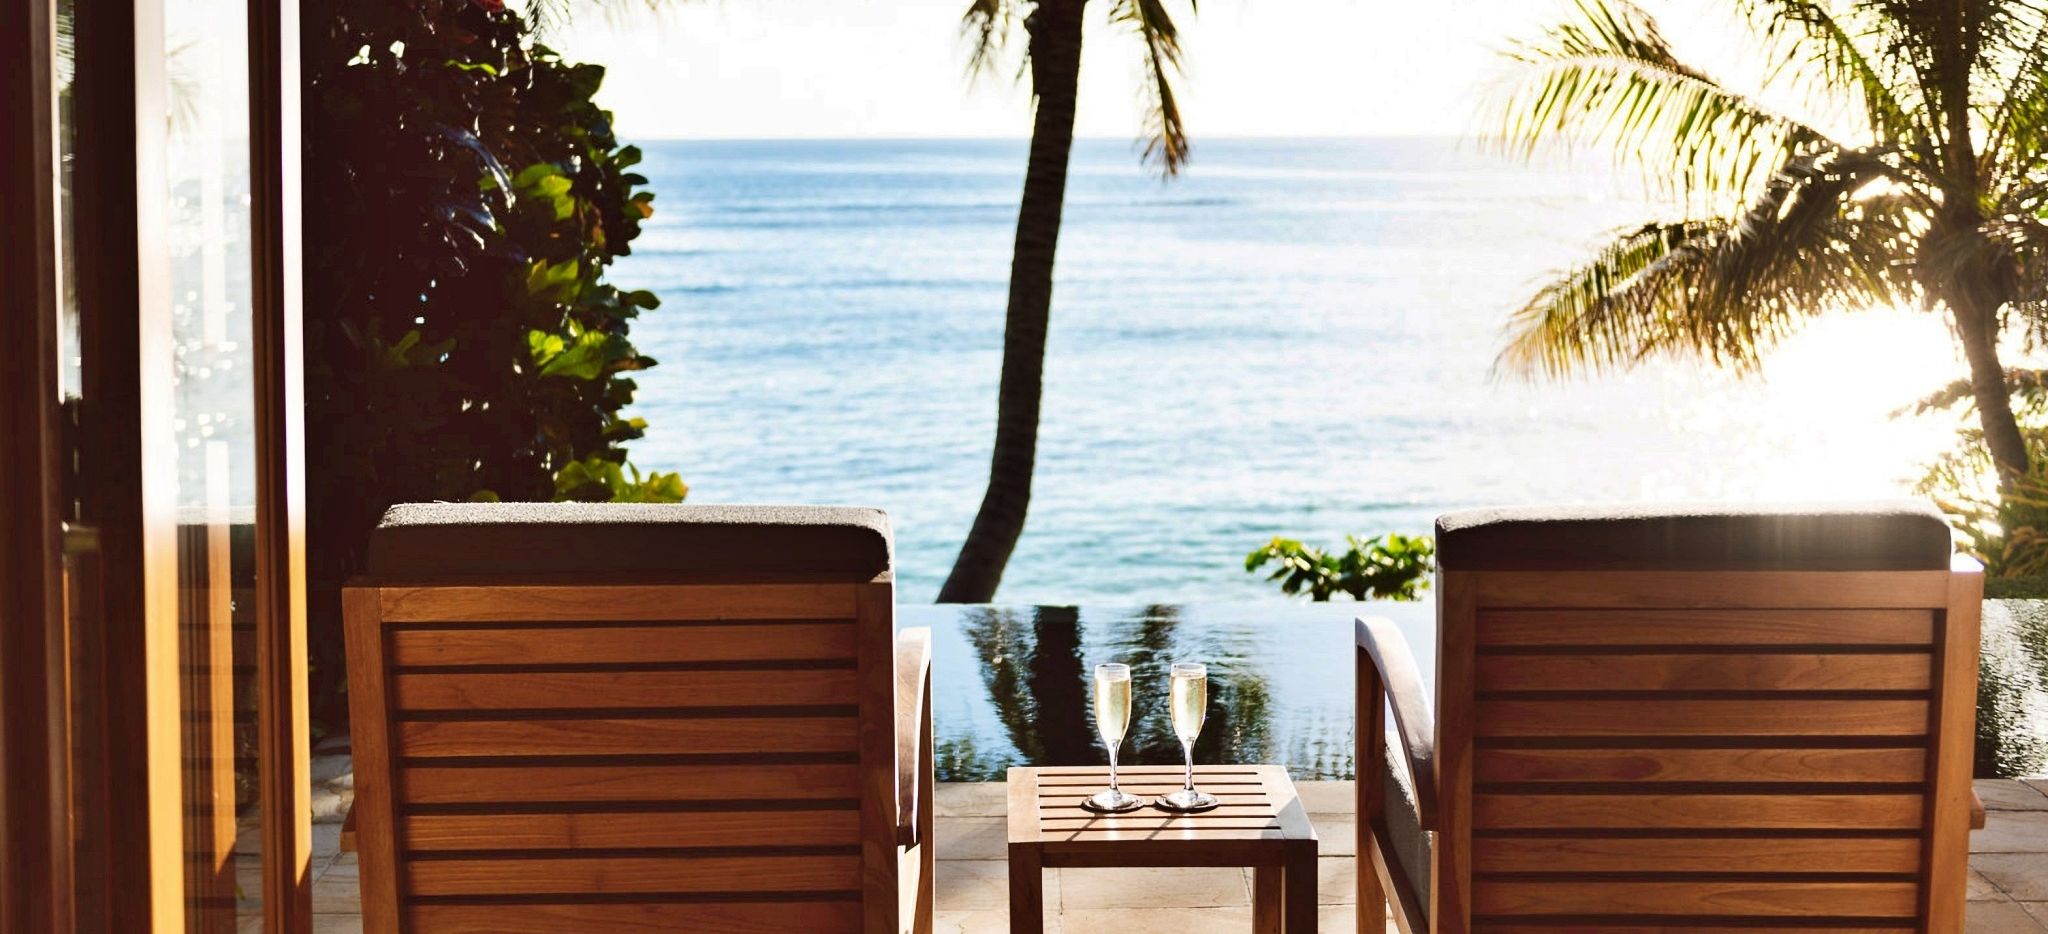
{"points": [[1011, 684]]}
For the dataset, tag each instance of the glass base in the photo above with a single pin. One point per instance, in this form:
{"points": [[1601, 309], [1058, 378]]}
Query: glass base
{"points": [[1113, 802], [1186, 801]]}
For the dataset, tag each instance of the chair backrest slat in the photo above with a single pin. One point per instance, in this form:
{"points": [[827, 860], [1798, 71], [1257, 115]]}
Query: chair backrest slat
{"points": [[1745, 748], [658, 751]]}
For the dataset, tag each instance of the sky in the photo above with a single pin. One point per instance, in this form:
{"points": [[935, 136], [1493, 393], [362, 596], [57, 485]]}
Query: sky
{"points": [[897, 68]]}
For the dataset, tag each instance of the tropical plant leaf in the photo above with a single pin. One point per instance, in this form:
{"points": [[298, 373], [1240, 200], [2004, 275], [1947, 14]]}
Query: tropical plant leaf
{"points": [[1723, 289], [1830, 44], [1390, 567], [987, 26], [1166, 139], [1610, 77]]}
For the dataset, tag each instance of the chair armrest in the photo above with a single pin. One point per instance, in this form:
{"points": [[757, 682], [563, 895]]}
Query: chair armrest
{"points": [[913, 726], [1976, 811], [1401, 682]]}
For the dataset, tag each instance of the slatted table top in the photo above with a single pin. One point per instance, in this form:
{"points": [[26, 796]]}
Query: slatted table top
{"points": [[1259, 821]]}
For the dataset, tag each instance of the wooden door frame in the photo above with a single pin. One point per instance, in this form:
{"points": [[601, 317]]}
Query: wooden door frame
{"points": [[283, 729], [34, 818], [90, 809], [129, 873]]}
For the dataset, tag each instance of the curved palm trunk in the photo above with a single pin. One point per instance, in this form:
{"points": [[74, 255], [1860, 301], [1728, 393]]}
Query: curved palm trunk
{"points": [[1055, 30], [1980, 285], [1977, 328]]}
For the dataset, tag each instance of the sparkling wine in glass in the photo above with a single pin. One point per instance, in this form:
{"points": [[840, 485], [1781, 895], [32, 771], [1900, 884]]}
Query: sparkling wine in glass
{"points": [[1112, 720], [1190, 702]]}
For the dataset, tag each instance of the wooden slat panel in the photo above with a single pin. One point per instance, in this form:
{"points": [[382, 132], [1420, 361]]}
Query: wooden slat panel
{"points": [[1244, 801], [1538, 926], [634, 874], [1701, 718], [1150, 820], [1094, 778], [623, 645], [1695, 811], [1900, 855], [1712, 589], [636, 602], [1140, 843], [1715, 898], [1702, 765], [627, 737], [530, 783], [729, 917], [1705, 627], [622, 689], [832, 827], [1712, 672]]}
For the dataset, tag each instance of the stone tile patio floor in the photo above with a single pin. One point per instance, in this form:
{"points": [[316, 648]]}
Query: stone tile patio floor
{"points": [[2008, 873]]}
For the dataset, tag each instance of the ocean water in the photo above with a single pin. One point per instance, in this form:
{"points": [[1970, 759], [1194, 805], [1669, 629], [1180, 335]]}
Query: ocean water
{"points": [[1294, 338]]}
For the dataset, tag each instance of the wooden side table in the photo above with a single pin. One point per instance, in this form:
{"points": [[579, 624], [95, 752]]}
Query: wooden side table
{"points": [[1260, 824]]}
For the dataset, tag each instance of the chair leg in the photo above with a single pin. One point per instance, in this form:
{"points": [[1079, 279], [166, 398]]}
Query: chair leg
{"points": [[1372, 899], [921, 920], [927, 778], [1369, 797]]}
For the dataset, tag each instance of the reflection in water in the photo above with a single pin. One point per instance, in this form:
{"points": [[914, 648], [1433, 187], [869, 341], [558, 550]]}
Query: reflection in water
{"points": [[1034, 666], [1011, 683]]}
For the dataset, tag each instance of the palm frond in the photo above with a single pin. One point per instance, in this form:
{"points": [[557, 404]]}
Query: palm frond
{"points": [[1166, 140], [2017, 117], [1611, 77], [2020, 233], [987, 26], [548, 17], [1724, 289], [2028, 385], [1834, 46]]}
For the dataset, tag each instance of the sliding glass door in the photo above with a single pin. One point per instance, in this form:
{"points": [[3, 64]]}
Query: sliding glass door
{"points": [[152, 647]]}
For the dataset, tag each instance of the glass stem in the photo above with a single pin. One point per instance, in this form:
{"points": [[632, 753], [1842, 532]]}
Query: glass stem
{"points": [[1112, 770], [1187, 754]]}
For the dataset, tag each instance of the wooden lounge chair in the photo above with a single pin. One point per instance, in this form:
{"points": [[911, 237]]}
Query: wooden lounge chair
{"points": [[578, 717], [1703, 721]]}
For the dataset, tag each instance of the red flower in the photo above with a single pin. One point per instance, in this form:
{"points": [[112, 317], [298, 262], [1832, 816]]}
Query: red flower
{"points": [[490, 6]]}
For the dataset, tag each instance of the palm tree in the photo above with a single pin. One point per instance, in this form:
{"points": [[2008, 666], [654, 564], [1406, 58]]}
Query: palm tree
{"points": [[1900, 160], [1053, 59]]}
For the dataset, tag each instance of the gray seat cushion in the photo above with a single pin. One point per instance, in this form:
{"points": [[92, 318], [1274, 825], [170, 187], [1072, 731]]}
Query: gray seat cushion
{"points": [[1404, 826], [1886, 536], [533, 540]]}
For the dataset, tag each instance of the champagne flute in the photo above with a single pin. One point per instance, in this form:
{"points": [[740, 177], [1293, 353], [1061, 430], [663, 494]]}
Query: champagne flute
{"points": [[1190, 700], [1112, 720]]}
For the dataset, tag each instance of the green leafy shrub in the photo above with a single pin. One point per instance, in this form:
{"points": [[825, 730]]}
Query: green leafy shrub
{"points": [[1389, 567], [464, 200], [2005, 526]]}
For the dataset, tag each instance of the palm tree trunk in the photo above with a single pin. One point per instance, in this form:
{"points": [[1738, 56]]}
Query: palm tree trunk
{"points": [[1977, 328], [1975, 288], [1054, 27]]}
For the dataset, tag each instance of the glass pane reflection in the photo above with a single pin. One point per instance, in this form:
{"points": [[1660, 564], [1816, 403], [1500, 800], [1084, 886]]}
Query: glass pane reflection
{"points": [[209, 230]]}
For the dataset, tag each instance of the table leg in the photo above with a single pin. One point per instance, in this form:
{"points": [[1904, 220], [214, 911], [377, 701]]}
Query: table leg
{"points": [[1267, 894], [1299, 882], [1027, 890]]}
